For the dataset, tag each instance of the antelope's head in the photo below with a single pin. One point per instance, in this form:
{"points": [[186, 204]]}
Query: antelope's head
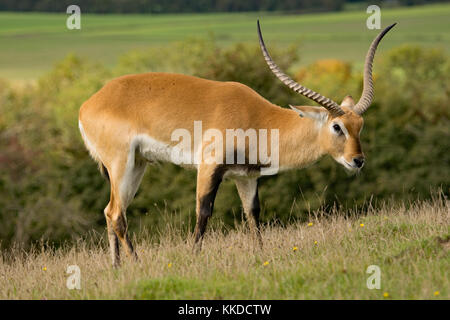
{"points": [[340, 125]]}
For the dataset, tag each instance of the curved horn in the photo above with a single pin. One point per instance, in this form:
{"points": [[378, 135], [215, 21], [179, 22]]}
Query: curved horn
{"points": [[329, 104], [367, 94]]}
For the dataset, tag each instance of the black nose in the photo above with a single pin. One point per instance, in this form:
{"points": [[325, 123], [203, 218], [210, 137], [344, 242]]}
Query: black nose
{"points": [[359, 161]]}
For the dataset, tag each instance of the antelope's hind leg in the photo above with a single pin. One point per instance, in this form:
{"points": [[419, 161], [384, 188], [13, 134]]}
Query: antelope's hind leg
{"points": [[125, 181], [112, 237]]}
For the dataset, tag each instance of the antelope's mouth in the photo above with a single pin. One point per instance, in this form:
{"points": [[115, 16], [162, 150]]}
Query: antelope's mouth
{"points": [[352, 168]]}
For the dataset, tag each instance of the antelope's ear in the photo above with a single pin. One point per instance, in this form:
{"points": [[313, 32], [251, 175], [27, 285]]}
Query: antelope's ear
{"points": [[348, 102], [317, 113]]}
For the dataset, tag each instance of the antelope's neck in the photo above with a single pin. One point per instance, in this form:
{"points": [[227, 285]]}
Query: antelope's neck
{"points": [[300, 143]]}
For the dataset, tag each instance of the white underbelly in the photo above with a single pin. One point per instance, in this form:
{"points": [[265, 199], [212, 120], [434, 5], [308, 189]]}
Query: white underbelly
{"points": [[157, 151]]}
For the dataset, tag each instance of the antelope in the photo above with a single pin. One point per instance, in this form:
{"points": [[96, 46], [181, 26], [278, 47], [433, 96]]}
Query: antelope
{"points": [[130, 123]]}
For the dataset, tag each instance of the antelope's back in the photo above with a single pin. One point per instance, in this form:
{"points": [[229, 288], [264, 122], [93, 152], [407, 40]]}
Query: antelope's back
{"points": [[158, 103]]}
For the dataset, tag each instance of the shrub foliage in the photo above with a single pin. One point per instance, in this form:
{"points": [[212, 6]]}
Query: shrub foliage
{"points": [[50, 188]]}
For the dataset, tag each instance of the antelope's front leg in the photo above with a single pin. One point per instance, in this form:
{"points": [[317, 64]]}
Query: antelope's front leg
{"points": [[209, 178], [248, 192]]}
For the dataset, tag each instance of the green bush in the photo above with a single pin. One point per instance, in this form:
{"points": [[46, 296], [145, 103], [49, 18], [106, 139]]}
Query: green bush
{"points": [[50, 188]]}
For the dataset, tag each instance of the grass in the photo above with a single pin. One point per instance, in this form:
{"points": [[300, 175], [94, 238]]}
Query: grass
{"points": [[32, 42], [410, 244]]}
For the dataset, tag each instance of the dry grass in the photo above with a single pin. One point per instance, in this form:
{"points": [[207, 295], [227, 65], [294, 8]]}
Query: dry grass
{"points": [[410, 245]]}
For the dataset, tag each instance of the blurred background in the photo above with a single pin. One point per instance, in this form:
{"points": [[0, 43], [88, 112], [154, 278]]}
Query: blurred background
{"points": [[51, 190]]}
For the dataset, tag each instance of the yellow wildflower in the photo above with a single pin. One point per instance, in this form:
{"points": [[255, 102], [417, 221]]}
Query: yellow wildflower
{"points": [[266, 263], [436, 293], [386, 295]]}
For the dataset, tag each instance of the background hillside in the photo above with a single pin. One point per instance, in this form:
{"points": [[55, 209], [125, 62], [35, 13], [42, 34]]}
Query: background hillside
{"points": [[31, 43]]}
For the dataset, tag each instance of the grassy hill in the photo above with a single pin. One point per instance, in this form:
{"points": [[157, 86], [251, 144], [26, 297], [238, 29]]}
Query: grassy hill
{"points": [[30, 43], [326, 258]]}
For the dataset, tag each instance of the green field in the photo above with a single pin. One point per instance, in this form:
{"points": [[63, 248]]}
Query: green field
{"points": [[30, 43], [324, 259]]}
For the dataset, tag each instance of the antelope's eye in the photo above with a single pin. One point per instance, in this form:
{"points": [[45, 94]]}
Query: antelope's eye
{"points": [[337, 128]]}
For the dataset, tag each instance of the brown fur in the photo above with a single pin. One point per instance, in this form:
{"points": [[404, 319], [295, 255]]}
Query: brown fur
{"points": [[156, 104]]}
